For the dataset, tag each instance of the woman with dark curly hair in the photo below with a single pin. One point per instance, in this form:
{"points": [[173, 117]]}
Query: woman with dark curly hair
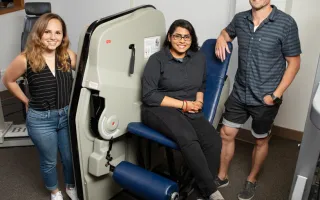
{"points": [[173, 85]]}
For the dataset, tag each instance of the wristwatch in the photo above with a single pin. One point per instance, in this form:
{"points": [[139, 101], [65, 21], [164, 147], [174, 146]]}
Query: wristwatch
{"points": [[276, 100]]}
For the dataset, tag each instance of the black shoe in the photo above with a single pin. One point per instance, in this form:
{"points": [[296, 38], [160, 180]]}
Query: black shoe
{"points": [[221, 183], [248, 191]]}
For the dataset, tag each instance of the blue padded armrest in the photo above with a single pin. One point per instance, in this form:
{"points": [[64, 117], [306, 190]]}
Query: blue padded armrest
{"points": [[209, 109], [216, 75], [141, 130]]}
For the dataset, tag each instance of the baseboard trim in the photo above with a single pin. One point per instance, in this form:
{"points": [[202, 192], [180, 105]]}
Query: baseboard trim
{"points": [[245, 135], [287, 133]]}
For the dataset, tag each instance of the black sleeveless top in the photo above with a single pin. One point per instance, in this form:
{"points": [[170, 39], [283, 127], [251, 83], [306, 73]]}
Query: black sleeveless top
{"points": [[48, 92]]}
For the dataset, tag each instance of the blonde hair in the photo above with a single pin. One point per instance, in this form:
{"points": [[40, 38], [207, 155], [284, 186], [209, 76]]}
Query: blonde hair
{"points": [[35, 48]]}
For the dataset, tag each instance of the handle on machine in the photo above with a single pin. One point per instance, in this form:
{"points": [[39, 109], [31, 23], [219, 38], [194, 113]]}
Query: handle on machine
{"points": [[133, 54]]}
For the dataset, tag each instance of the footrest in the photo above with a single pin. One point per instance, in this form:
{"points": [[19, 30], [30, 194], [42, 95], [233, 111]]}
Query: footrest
{"points": [[142, 130], [145, 184]]}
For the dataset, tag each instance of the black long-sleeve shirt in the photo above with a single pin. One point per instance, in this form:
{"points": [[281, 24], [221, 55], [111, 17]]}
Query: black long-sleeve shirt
{"points": [[165, 75]]}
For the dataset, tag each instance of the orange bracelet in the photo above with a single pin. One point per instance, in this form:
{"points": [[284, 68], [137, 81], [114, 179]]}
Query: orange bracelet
{"points": [[185, 110]]}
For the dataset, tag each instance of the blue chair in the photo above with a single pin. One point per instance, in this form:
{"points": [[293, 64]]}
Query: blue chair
{"points": [[216, 77]]}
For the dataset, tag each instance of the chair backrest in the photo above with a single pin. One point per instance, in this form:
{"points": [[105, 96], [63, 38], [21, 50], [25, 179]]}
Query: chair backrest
{"points": [[33, 11], [216, 76]]}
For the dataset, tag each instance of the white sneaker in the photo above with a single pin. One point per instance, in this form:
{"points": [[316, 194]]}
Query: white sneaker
{"points": [[72, 193], [216, 196], [57, 196]]}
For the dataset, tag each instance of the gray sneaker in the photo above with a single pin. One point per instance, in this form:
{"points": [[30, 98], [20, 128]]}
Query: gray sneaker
{"points": [[216, 196], [248, 191], [221, 183]]}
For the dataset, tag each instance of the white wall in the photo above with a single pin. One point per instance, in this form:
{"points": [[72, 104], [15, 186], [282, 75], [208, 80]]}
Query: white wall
{"points": [[203, 16], [293, 111], [208, 17], [80, 13], [10, 39]]}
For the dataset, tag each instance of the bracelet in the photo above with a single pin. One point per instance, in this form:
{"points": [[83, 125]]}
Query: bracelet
{"points": [[182, 105], [185, 110]]}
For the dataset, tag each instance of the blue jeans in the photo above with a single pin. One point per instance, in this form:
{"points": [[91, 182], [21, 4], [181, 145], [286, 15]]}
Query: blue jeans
{"points": [[49, 131]]}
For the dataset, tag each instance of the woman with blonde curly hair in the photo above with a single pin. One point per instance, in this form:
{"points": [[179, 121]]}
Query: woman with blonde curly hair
{"points": [[47, 64]]}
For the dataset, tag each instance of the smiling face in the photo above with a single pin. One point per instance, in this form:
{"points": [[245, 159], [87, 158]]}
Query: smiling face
{"points": [[180, 42], [259, 4], [53, 35]]}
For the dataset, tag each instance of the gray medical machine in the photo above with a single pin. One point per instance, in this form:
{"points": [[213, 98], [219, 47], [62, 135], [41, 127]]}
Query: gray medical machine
{"points": [[106, 97], [12, 135], [305, 173]]}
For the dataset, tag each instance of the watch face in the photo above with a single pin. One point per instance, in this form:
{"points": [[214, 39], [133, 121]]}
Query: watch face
{"points": [[277, 100]]}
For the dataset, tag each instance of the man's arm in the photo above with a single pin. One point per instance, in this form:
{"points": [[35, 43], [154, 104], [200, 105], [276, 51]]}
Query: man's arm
{"points": [[291, 50], [222, 45], [226, 35], [289, 75]]}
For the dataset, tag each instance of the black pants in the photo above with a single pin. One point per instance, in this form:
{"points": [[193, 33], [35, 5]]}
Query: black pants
{"points": [[199, 142]]}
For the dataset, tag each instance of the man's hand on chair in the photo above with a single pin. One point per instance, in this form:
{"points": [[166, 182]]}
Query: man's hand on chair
{"points": [[221, 48]]}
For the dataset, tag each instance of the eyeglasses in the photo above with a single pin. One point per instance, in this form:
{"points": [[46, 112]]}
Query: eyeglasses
{"points": [[179, 37]]}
